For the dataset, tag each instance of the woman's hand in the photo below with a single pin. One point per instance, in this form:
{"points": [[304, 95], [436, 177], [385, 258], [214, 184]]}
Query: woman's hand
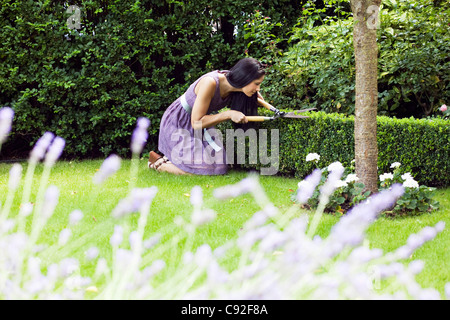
{"points": [[237, 117]]}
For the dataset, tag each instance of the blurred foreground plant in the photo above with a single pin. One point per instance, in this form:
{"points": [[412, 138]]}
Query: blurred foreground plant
{"points": [[279, 255]]}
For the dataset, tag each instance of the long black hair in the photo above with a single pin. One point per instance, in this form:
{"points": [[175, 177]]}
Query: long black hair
{"points": [[241, 74]]}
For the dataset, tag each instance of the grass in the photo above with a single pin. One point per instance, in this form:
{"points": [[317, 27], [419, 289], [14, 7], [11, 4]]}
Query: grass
{"points": [[74, 180]]}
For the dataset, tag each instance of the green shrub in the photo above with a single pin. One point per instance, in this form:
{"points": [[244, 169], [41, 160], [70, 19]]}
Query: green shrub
{"points": [[318, 68], [128, 59], [422, 146]]}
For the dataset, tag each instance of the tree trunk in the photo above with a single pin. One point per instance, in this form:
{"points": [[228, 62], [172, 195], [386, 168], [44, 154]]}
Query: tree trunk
{"points": [[365, 13]]}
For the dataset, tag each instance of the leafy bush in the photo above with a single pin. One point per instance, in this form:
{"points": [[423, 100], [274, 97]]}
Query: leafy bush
{"points": [[127, 59], [318, 68]]}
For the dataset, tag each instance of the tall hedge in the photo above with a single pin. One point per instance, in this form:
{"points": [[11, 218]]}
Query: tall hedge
{"points": [[128, 59]]}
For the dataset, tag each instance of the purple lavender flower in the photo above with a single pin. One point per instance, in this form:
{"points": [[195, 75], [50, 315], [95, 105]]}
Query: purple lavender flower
{"points": [[196, 196], [134, 239], [203, 256], [447, 290], [54, 151], [14, 176], [50, 201], [135, 201], [244, 186], [75, 217], [41, 146], [336, 170], [68, 266], [152, 241], [201, 217], [108, 168], [307, 186], [350, 229], [92, 253], [143, 123], [64, 236], [6, 118], [117, 237], [140, 135]]}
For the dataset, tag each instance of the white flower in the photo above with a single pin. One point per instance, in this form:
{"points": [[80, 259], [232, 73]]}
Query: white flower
{"points": [[336, 166], [340, 183], [312, 157], [385, 176], [407, 176], [410, 183], [351, 178], [395, 165]]}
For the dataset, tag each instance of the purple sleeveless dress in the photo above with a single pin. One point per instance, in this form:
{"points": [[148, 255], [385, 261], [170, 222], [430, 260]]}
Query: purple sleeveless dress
{"points": [[195, 151]]}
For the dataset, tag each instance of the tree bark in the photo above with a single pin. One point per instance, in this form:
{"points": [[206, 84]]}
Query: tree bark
{"points": [[365, 13]]}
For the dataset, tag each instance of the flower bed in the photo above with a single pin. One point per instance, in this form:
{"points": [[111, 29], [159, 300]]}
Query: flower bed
{"points": [[349, 191]]}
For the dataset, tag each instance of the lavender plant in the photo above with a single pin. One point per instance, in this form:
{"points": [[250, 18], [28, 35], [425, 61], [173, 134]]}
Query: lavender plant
{"points": [[279, 255], [6, 118]]}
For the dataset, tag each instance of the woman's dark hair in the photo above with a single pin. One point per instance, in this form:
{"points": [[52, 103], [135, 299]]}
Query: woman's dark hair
{"points": [[243, 73]]}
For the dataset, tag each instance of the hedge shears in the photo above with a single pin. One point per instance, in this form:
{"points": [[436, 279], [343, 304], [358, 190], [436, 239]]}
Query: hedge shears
{"points": [[278, 113]]}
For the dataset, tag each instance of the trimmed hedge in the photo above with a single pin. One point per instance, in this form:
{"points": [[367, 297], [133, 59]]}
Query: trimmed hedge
{"points": [[422, 146]]}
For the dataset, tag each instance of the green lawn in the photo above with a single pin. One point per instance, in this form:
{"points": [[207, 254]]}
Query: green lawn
{"points": [[74, 180]]}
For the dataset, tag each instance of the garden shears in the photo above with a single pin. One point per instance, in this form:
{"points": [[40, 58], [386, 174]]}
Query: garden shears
{"points": [[278, 113]]}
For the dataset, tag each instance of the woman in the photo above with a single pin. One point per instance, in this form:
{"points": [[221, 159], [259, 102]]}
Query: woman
{"points": [[187, 138]]}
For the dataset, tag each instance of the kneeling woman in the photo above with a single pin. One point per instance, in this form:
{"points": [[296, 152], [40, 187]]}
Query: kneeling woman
{"points": [[188, 141]]}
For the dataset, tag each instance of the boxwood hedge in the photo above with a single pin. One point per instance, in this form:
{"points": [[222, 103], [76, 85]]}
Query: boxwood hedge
{"points": [[422, 146]]}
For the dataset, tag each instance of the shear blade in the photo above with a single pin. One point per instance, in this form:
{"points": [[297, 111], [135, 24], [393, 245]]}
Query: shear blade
{"points": [[293, 116]]}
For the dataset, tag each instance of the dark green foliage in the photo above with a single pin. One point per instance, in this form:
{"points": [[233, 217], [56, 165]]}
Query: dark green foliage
{"points": [[128, 59], [318, 67]]}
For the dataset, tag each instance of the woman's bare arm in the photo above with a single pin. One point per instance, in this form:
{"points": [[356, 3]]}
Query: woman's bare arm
{"points": [[199, 118]]}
